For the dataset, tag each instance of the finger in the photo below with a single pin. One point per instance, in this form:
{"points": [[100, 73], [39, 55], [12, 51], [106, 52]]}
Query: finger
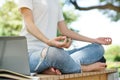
{"points": [[108, 40], [60, 38], [69, 41], [60, 44], [64, 43]]}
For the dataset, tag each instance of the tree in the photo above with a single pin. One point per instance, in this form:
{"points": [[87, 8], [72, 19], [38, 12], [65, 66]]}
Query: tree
{"points": [[113, 53], [10, 21], [110, 7]]}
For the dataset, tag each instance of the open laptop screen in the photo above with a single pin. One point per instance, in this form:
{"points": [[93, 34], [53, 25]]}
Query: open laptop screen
{"points": [[13, 54]]}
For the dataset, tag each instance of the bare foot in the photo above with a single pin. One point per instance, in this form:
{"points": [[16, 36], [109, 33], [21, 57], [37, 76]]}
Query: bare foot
{"points": [[94, 67], [52, 71]]}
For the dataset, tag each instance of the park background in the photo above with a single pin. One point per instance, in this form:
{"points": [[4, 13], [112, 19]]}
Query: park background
{"points": [[92, 18]]}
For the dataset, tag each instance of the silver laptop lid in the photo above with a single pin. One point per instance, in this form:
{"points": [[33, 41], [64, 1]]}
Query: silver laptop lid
{"points": [[13, 54]]}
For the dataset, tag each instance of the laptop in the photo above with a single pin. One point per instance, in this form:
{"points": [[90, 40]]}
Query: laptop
{"points": [[14, 55]]}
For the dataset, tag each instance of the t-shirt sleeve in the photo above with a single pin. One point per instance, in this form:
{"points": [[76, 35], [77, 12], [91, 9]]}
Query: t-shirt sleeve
{"points": [[25, 3], [60, 15]]}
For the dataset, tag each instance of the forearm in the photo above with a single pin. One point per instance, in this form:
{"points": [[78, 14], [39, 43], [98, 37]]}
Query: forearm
{"points": [[31, 28], [78, 37], [65, 31], [30, 25]]}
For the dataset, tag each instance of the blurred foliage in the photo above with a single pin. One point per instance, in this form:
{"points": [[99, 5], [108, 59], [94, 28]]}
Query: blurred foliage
{"points": [[114, 15], [114, 65], [10, 19], [112, 54], [70, 16], [111, 8]]}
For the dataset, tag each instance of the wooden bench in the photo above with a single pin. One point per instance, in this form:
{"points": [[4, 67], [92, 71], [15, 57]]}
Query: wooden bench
{"points": [[109, 74]]}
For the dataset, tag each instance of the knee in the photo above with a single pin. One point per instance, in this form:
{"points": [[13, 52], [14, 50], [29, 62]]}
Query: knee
{"points": [[99, 48], [55, 54]]}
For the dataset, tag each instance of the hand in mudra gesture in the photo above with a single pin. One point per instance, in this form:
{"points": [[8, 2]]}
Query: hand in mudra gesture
{"points": [[104, 40], [60, 42]]}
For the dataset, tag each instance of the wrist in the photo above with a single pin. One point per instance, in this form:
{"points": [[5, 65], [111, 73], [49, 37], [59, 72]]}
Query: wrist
{"points": [[94, 40], [48, 42]]}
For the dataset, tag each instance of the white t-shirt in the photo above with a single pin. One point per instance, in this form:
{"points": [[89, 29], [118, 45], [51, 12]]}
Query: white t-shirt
{"points": [[46, 13]]}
